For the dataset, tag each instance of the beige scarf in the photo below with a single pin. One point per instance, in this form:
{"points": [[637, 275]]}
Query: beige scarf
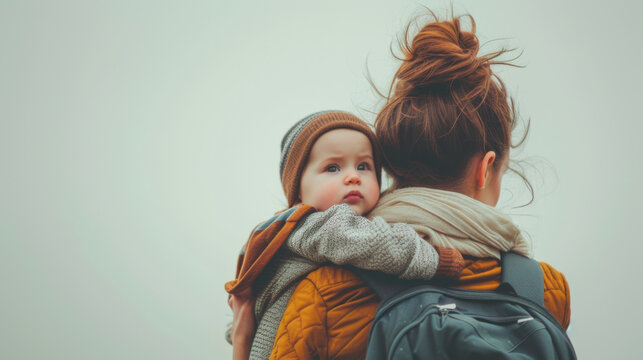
{"points": [[453, 220]]}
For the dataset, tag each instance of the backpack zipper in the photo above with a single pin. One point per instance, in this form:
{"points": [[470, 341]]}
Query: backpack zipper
{"points": [[472, 295], [444, 310], [468, 295]]}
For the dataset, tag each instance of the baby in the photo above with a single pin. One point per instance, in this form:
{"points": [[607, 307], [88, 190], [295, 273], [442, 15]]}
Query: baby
{"points": [[331, 177]]}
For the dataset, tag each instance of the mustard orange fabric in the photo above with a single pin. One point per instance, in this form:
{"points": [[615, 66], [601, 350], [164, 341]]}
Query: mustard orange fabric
{"points": [[330, 312], [328, 316]]}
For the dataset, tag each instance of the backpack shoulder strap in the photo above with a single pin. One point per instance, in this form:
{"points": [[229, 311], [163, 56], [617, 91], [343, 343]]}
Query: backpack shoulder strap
{"points": [[520, 275], [524, 276]]}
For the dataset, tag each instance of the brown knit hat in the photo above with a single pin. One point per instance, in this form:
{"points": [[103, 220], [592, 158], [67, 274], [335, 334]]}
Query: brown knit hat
{"points": [[299, 140]]}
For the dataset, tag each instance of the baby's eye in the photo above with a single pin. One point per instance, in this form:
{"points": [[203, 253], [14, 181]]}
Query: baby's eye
{"points": [[363, 166], [332, 168]]}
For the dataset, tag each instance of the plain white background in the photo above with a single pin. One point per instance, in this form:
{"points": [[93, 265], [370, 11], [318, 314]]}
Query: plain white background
{"points": [[139, 144]]}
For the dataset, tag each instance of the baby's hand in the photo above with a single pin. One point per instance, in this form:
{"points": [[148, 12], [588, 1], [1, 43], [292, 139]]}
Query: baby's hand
{"points": [[243, 324]]}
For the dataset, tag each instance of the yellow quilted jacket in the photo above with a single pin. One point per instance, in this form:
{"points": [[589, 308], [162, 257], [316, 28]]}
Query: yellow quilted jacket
{"points": [[330, 312]]}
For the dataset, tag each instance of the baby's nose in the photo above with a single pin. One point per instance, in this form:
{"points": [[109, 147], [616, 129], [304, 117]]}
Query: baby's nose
{"points": [[353, 179]]}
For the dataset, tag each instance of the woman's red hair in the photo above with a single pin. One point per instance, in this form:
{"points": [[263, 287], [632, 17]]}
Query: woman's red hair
{"points": [[445, 106]]}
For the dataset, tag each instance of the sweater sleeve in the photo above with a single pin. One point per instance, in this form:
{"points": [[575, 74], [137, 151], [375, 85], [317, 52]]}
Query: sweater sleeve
{"points": [[340, 236]]}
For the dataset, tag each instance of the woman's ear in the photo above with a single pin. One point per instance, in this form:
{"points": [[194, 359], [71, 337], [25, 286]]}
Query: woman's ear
{"points": [[483, 170]]}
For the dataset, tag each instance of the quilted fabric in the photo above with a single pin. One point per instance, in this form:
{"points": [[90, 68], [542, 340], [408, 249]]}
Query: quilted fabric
{"points": [[556, 294], [328, 317], [330, 312]]}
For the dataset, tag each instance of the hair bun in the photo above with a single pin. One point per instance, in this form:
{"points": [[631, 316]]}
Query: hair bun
{"points": [[441, 53]]}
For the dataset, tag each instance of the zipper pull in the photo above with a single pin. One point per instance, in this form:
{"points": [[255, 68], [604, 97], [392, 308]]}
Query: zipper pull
{"points": [[444, 310]]}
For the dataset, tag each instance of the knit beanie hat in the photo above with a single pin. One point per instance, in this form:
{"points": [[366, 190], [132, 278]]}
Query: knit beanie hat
{"points": [[299, 140]]}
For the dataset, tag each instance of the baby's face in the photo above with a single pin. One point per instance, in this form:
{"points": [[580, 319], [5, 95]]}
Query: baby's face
{"points": [[340, 169]]}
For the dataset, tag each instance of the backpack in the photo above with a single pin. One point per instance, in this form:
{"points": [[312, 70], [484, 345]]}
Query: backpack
{"points": [[416, 320]]}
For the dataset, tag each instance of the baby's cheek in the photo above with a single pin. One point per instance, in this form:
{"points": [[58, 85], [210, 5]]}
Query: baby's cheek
{"points": [[329, 195], [373, 194]]}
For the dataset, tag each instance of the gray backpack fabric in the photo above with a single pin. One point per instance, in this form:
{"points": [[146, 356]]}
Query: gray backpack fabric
{"points": [[416, 320]]}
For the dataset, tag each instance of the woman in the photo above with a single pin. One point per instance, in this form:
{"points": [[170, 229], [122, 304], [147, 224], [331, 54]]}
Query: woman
{"points": [[445, 134]]}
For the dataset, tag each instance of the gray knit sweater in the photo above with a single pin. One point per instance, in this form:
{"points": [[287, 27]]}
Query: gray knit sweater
{"points": [[339, 236]]}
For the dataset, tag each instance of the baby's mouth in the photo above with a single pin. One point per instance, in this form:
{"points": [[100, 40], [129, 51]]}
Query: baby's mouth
{"points": [[353, 196]]}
